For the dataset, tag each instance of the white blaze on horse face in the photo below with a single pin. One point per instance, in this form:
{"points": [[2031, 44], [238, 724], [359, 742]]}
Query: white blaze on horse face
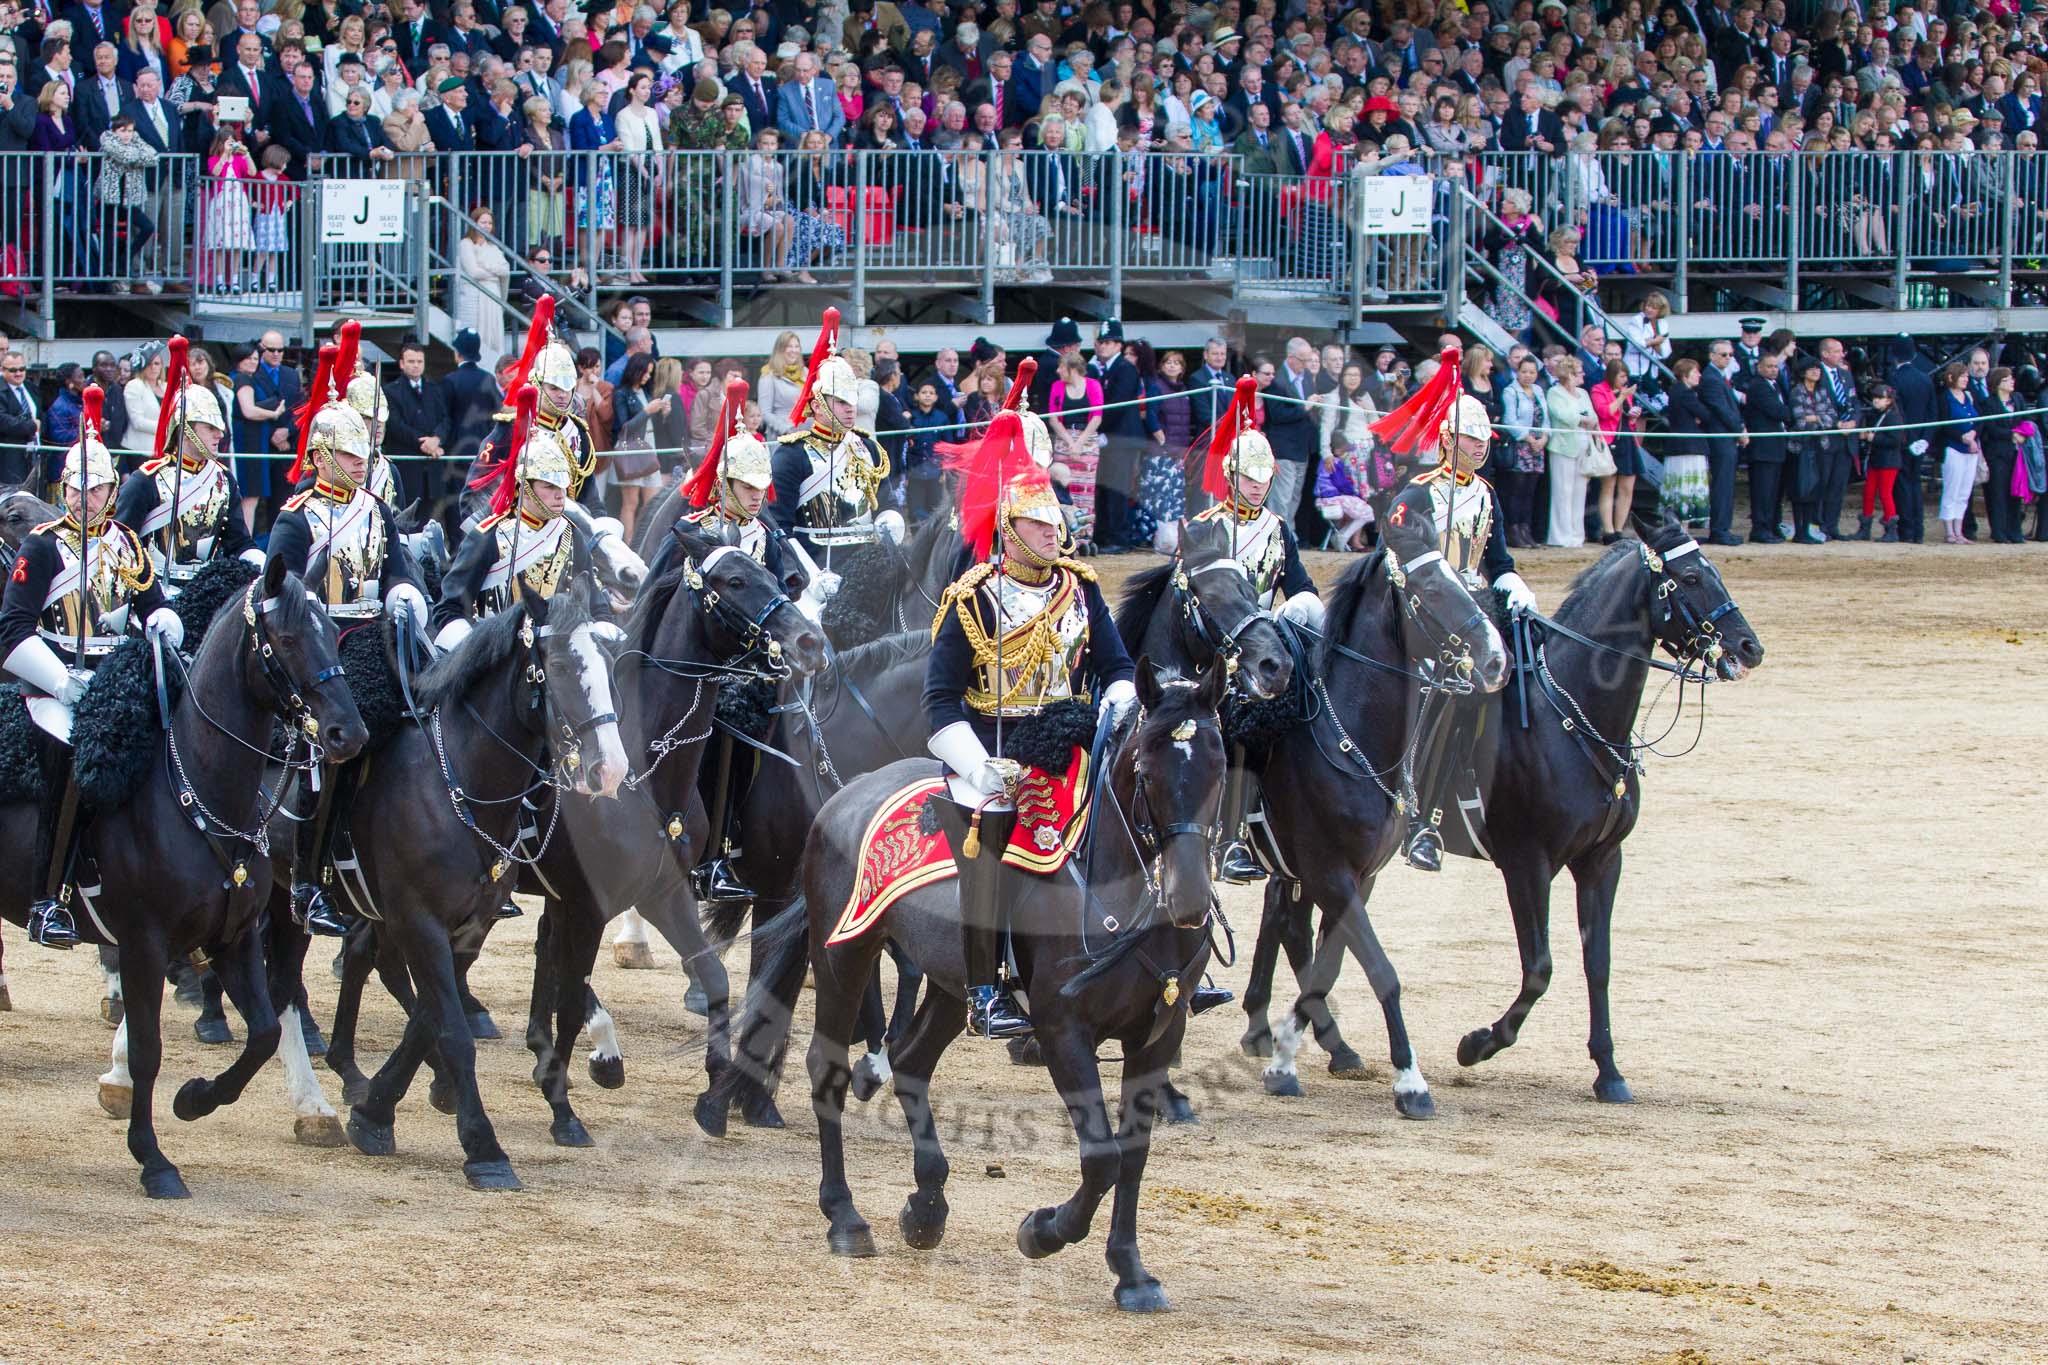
{"points": [[604, 1035], [619, 563], [596, 681]]}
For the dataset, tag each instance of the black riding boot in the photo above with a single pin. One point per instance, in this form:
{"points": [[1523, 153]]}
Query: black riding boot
{"points": [[1441, 762], [49, 917], [1235, 863], [991, 1010], [718, 878], [312, 908]]}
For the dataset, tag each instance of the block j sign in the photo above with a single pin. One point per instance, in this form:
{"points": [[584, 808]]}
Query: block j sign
{"points": [[1395, 204], [362, 211]]}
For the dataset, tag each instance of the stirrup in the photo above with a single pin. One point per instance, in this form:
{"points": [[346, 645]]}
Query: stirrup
{"points": [[993, 1013], [1237, 866], [509, 910], [1425, 851], [717, 881], [1208, 996], [316, 914], [50, 925]]}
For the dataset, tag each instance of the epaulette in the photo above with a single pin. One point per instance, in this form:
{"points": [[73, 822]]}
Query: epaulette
{"points": [[492, 520], [790, 438], [297, 500], [1212, 512], [959, 588], [1086, 571], [1429, 474], [47, 526]]}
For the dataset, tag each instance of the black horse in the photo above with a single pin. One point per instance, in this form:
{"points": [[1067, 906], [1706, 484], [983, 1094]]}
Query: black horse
{"points": [[181, 867], [1565, 790], [1331, 785], [505, 713], [1107, 949]]}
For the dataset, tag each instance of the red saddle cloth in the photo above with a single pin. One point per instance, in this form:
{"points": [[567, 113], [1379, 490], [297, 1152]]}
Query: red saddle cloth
{"points": [[898, 857]]}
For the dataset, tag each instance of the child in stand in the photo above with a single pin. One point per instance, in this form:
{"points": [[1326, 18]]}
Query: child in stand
{"points": [[1886, 457], [225, 228], [922, 467], [1340, 494], [273, 237]]}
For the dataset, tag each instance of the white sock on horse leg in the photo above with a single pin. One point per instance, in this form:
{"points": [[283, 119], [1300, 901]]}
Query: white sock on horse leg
{"points": [[1286, 1043], [301, 1086], [632, 928], [604, 1036]]}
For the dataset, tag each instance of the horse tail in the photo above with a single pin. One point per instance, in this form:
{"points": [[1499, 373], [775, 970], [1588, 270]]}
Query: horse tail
{"points": [[783, 950], [723, 921]]}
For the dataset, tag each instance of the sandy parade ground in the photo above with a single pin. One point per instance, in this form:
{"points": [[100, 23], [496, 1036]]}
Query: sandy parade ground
{"points": [[1826, 987]]}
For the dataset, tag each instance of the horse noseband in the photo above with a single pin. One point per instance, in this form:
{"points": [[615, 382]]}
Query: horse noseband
{"points": [[275, 676], [1195, 615], [1701, 642], [750, 631]]}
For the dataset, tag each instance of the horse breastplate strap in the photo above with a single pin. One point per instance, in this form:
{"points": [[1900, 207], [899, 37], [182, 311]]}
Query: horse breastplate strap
{"points": [[543, 560], [1043, 638], [1463, 516], [352, 535]]}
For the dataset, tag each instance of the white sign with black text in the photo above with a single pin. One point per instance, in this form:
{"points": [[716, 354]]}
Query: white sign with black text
{"points": [[1392, 205], [362, 210]]}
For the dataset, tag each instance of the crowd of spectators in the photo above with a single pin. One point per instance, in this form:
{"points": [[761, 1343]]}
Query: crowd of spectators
{"points": [[1585, 435]]}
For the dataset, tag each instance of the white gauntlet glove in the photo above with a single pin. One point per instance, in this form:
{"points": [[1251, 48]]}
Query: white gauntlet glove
{"points": [[451, 635], [407, 601], [1304, 609], [164, 624], [961, 750], [890, 524], [1519, 596], [36, 664], [1120, 697]]}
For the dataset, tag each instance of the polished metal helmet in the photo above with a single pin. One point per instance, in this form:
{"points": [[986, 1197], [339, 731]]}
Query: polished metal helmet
{"points": [[338, 428], [98, 461], [745, 459], [1251, 456], [1467, 417], [554, 367], [1029, 497], [199, 405], [1037, 438], [836, 379], [543, 458], [367, 399]]}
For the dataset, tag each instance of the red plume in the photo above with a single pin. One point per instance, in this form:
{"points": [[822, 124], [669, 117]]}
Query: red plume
{"points": [[505, 471], [537, 333], [351, 356], [1238, 418], [174, 387], [828, 336], [702, 486], [1027, 370], [1000, 458], [322, 377], [952, 451], [1414, 425], [92, 406]]}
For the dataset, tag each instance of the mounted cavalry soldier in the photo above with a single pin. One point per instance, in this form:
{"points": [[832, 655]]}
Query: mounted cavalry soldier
{"points": [[1446, 516], [728, 493], [828, 472], [1238, 474], [365, 572], [183, 503], [1022, 646], [78, 585], [548, 366], [525, 539]]}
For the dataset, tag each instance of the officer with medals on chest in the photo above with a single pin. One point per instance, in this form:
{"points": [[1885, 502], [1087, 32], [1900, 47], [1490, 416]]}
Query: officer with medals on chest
{"points": [[78, 585], [525, 539], [727, 494], [1452, 512], [1022, 632], [828, 472], [1238, 473], [338, 524], [183, 503]]}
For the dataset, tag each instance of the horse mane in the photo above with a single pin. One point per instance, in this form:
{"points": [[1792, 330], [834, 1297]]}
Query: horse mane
{"points": [[885, 653], [1578, 597], [1346, 599], [925, 542], [485, 649], [652, 604], [1142, 594]]}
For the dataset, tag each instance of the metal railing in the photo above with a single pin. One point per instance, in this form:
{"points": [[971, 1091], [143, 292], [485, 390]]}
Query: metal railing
{"points": [[74, 225]]}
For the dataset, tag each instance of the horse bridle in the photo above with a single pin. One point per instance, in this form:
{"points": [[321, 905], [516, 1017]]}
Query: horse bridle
{"points": [[567, 738], [1197, 622], [1669, 604], [297, 713], [750, 631], [1453, 645]]}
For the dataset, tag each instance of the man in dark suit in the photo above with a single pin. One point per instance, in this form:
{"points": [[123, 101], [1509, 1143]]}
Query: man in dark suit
{"points": [[446, 123], [1297, 141], [1722, 428], [1915, 394], [1062, 341], [415, 32], [999, 90], [1123, 429], [1291, 429], [1768, 417], [756, 87], [248, 77], [17, 110], [1532, 128], [94, 23], [156, 123], [418, 429], [53, 64], [473, 401], [298, 123], [20, 420], [1211, 386], [99, 97]]}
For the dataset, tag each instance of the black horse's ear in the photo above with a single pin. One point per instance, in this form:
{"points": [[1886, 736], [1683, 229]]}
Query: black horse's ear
{"points": [[533, 604], [1149, 690], [273, 576], [693, 545], [408, 519], [1647, 530], [1214, 681]]}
